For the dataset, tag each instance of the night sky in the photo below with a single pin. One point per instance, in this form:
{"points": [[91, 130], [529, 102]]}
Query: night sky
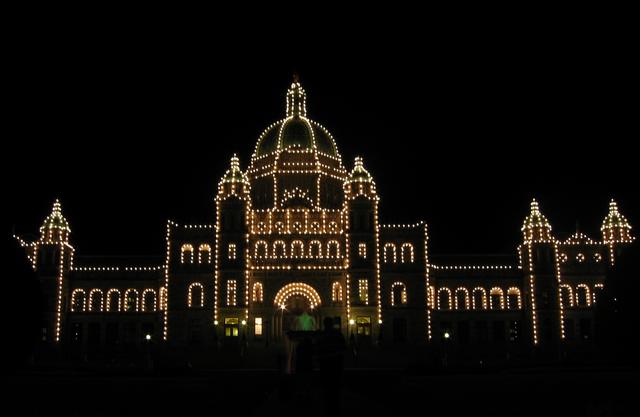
{"points": [[459, 129]]}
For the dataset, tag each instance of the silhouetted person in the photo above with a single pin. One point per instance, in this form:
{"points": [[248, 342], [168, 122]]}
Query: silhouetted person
{"points": [[331, 346]]}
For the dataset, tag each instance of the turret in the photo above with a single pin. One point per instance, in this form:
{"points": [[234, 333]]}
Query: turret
{"points": [[55, 228], [539, 260], [616, 230], [536, 227]]}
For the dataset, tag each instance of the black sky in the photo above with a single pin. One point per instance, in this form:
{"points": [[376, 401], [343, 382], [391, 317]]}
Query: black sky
{"points": [[460, 127]]}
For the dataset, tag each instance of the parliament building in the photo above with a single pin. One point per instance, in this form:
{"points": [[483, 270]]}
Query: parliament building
{"points": [[298, 231]]}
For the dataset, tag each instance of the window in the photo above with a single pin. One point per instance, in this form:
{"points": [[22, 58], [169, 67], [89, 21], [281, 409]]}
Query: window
{"points": [[597, 292], [566, 296], [333, 249], [231, 251], [406, 253], [204, 254], [279, 249], [196, 295], [186, 254], [77, 300], [113, 300], [163, 298], [363, 291], [336, 292], [398, 294], [257, 294], [514, 299], [131, 300], [231, 292], [315, 249], [231, 326], [583, 298], [149, 300], [479, 299], [362, 250], [462, 299], [260, 250], [297, 249], [389, 254], [363, 326], [444, 298], [95, 300], [496, 300], [258, 327]]}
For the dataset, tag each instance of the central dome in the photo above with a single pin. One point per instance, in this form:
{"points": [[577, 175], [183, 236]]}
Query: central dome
{"points": [[296, 130]]}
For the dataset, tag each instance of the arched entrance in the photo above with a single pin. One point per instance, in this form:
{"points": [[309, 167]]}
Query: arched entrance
{"points": [[296, 308]]}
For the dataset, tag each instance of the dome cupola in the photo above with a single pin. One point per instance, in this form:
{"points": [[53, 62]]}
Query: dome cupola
{"points": [[296, 161]]}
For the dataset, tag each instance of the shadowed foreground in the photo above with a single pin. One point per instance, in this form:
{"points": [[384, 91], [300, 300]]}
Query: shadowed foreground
{"points": [[255, 392]]}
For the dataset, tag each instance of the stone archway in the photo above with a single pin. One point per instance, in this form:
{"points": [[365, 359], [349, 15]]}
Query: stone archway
{"points": [[292, 301]]}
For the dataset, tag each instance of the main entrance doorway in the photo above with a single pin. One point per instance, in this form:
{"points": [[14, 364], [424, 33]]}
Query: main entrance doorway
{"points": [[297, 309]]}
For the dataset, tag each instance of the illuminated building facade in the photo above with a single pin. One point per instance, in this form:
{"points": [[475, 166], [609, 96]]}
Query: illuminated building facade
{"points": [[296, 231]]}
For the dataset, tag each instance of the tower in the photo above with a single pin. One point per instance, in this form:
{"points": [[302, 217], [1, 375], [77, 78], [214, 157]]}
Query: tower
{"points": [[53, 257], [363, 280], [231, 288], [539, 254]]}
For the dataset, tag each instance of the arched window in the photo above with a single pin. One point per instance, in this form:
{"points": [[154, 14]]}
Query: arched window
{"points": [[462, 298], [514, 299], [257, 294], [204, 254], [78, 300], [431, 296], [566, 296], [398, 294], [186, 254], [231, 292], [597, 292], [113, 300], [131, 300], [336, 292], [196, 295], [389, 253], [297, 249], [279, 249], [260, 250], [479, 300], [444, 298], [149, 300], [315, 249], [163, 298], [406, 253], [583, 296], [95, 300], [333, 249], [496, 300]]}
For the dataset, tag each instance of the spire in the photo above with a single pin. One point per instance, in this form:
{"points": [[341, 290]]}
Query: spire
{"points": [[359, 172], [615, 227], [296, 99], [55, 228], [234, 174], [536, 227]]}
